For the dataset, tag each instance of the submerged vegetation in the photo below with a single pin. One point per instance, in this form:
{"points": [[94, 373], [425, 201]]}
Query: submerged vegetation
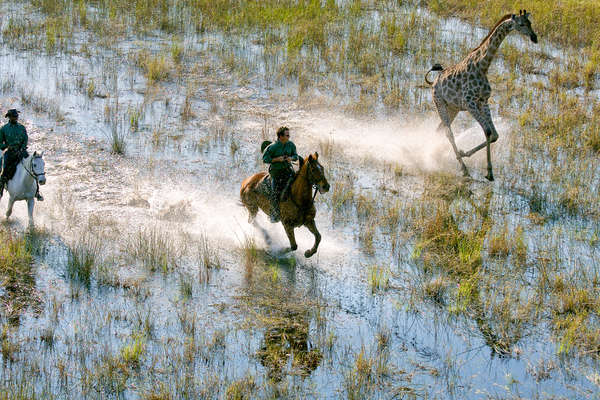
{"points": [[426, 284]]}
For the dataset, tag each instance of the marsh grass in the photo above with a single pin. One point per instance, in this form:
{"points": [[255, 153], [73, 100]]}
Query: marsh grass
{"points": [[435, 289], [18, 276], [379, 278], [185, 286], [132, 353], [135, 116], [41, 104], [360, 382], [109, 375], [154, 248], [83, 257], [8, 347], [241, 389], [37, 240], [117, 137], [207, 253], [157, 67]]}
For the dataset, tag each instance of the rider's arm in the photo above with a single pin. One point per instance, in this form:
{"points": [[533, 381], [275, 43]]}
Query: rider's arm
{"points": [[25, 139], [2, 140], [268, 156], [294, 155]]}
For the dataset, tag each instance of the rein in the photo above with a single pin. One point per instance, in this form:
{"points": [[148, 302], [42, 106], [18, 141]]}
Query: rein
{"points": [[33, 174], [314, 186]]}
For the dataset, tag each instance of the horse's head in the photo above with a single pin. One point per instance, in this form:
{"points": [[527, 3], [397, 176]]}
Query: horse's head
{"points": [[316, 173], [38, 167]]}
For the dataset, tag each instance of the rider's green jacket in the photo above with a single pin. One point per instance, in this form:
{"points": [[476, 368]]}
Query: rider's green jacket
{"points": [[13, 136], [277, 149]]}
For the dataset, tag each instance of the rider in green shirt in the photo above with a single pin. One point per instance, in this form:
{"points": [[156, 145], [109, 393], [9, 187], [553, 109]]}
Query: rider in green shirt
{"points": [[13, 143], [279, 155]]}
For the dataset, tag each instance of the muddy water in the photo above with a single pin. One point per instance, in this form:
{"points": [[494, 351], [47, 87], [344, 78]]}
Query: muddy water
{"points": [[189, 191]]}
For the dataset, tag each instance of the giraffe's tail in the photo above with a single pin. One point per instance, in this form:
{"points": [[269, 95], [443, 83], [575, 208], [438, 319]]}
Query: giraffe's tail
{"points": [[436, 67]]}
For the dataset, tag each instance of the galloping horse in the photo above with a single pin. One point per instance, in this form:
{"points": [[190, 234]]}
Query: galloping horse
{"points": [[299, 208], [23, 185]]}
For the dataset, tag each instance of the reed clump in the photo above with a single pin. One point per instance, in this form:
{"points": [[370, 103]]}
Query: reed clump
{"points": [[18, 276]]}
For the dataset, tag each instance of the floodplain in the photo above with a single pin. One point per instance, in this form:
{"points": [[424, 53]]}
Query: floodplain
{"points": [[143, 280]]}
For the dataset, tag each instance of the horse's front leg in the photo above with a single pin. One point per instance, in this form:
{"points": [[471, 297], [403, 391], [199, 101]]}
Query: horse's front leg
{"points": [[30, 203], [312, 227], [289, 230], [11, 201]]}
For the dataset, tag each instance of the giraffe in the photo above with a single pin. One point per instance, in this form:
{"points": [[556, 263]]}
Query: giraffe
{"points": [[465, 87]]}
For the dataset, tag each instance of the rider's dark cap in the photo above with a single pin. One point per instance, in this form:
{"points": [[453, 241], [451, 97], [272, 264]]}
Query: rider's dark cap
{"points": [[12, 113]]}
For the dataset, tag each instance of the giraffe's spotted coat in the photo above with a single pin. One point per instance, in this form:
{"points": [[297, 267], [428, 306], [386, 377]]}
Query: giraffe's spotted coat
{"points": [[465, 87]]}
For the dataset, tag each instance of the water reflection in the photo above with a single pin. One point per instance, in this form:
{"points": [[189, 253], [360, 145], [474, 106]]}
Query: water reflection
{"points": [[452, 244], [284, 313]]}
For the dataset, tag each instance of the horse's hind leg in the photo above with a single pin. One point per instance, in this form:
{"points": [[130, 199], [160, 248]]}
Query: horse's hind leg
{"points": [[11, 201], [312, 227], [250, 204], [30, 203]]}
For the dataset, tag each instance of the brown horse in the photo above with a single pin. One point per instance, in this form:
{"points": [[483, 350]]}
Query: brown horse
{"points": [[299, 208]]}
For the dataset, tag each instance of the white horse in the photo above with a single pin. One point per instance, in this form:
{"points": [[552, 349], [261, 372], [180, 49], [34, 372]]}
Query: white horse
{"points": [[24, 184]]}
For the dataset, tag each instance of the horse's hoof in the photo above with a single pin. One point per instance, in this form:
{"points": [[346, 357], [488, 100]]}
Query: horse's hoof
{"points": [[490, 177], [308, 253], [293, 248]]}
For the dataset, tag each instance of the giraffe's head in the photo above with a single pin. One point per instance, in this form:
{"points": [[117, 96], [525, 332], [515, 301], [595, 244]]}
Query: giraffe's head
{"points": [[522, 25]]}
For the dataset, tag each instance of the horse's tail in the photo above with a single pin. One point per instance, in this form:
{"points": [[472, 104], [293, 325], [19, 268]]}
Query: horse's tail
{"points": [[436, 67]]}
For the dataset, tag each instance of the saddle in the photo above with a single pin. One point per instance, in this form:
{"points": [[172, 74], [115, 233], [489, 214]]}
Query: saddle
{"points": [[12, 169], [264, 187]]}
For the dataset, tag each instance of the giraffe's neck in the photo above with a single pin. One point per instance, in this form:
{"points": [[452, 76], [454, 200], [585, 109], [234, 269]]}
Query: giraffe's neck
{"points": [[485, 53]]}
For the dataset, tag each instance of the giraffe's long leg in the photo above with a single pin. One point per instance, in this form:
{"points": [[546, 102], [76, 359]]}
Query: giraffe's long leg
{"points": [[447, 114], [481, 113], [452, 111]]}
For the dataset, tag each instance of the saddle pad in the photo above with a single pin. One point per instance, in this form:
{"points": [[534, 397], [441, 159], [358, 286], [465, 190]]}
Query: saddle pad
{"points": [[264, 187]]}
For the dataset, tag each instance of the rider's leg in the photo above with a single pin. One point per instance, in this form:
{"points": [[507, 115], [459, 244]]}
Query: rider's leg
{"points": [[5, 170], [287, 182], [274, 199]]}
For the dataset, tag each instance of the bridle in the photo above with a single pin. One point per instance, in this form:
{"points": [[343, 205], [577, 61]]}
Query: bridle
{"points": [[314, 184], [32, 173]]}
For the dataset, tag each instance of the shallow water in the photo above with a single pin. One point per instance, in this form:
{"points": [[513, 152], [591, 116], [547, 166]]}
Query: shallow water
{"points": [[186, 191]]}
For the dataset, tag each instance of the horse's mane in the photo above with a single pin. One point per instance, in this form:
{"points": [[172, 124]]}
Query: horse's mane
{"points": [[504, 18], [301, 163]]}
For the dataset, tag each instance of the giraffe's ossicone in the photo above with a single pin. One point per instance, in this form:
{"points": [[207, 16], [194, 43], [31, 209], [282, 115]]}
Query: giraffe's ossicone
{"points": [[465, 87]]}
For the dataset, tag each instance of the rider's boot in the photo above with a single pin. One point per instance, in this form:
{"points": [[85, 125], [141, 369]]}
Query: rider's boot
{"points": [[38, 195]]}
